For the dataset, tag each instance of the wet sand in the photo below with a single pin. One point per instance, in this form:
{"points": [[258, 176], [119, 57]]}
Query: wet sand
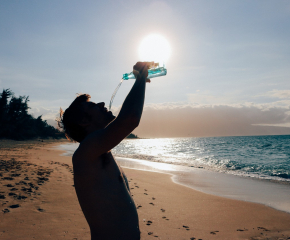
{"points": [[38, 201]]}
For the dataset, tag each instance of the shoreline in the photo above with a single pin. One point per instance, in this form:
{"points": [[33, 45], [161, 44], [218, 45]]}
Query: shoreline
{"points": [[275, 194], [268, 193], [69, 149], [166, 210]]}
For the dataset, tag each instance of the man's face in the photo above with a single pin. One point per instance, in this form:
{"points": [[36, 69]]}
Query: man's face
{"points": [[98, 114]]}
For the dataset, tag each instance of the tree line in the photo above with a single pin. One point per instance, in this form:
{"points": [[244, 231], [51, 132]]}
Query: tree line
{"points": [[16, 123]]}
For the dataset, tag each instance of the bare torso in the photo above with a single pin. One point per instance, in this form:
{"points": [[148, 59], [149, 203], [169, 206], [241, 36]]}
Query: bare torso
{"points": [[105, 198]]}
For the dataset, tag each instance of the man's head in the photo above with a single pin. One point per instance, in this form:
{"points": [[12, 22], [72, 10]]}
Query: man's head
{"points": [[83, 117]]}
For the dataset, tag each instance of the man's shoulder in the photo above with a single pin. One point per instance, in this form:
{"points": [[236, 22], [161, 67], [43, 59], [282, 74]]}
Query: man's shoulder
{"points": [[81, 151], [76, 154], [86, 152], [81, 162]]}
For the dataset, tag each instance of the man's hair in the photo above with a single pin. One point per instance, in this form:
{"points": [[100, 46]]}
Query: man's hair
{"points": [[70, 119]]}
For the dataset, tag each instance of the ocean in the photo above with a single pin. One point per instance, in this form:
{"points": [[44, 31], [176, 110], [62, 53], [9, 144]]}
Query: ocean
{"points": [[264, 157], [249, 168]]}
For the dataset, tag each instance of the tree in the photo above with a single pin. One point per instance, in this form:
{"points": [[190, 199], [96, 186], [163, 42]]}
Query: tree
{"points": [[131, 135], [4, 96], [16, 123]]}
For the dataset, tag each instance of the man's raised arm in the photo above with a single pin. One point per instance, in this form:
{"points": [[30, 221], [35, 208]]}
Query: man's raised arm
{"points": [[103, 140], [133, 105]]}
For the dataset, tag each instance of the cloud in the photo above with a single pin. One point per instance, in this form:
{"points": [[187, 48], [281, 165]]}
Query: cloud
{"points": [[47, 114], [271, 99], [281, 94], [197, 120], [204, 121], [207, 98]]}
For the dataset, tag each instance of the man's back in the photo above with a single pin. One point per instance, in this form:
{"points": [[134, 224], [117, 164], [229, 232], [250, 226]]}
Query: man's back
{"points": [[105, 199]]}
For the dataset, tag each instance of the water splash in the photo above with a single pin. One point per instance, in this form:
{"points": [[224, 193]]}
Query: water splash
{"points": [[114, 93]]}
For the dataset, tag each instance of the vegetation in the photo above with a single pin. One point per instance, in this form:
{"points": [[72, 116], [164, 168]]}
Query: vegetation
{"points": [[17, 124], [131, 135]]}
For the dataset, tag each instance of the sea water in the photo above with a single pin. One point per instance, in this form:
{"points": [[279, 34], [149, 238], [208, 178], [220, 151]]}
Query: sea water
{"points": [[266, 157], [250, 168]]}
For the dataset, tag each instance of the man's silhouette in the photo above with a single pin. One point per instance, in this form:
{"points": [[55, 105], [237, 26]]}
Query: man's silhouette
{"points": [[101, 186]]}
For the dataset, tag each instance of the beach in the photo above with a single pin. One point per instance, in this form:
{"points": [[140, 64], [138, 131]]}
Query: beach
{"points": [[38, 201]]}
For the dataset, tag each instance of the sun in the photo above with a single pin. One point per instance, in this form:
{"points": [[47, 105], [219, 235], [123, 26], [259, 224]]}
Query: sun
{"points": [[155, 48]]}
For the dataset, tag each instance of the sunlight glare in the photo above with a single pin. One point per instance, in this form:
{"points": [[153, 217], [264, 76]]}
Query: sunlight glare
{"points": [[154, 48]]}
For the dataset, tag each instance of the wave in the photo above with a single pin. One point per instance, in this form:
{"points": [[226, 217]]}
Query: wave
{"points": [[226, 166]]}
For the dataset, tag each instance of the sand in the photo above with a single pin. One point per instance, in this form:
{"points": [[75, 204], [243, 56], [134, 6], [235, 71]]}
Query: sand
{"points": [[38, 201]]}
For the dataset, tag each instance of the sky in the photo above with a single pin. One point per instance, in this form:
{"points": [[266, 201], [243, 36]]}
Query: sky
{"points": [[228, 73]]}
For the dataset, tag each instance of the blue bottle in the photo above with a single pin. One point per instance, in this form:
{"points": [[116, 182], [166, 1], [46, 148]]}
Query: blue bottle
{"points": [[153, 71]]}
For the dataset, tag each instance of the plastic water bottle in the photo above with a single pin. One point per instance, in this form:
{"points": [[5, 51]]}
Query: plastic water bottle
{"points": [[153, 71]]}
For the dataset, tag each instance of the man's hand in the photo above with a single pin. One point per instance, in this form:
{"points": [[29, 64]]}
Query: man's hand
{"points": [[140, 70]]}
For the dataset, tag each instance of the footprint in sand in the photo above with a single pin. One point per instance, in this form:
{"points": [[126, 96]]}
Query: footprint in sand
{"points": [[15, 175], [149, 223], [40, 209], [153, 198], [8, 178], [146, 193], [264, 229], [145, 189], [23, 182], [214, 232], [162, 210], [186, 227], [139, 206], [9, 185], [15, 206], [20, 197], [150, 233], [6, 210], [152, 203], [24, 189]]}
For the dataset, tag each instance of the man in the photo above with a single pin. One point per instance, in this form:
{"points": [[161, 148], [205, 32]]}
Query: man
{"points": [[101, 186]]}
